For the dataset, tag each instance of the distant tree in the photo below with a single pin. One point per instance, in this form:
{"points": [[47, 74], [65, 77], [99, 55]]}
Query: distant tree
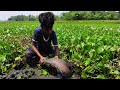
{"points": [[32, 18], [22, 18], [57, 17], [91, 15], [119, 15]]}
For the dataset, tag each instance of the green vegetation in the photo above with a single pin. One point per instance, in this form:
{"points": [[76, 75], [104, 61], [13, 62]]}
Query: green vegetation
{"points": [[94, 46]]}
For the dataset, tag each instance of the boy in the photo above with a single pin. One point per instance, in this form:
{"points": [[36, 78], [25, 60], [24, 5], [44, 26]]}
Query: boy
{"points": [[41, 42]]}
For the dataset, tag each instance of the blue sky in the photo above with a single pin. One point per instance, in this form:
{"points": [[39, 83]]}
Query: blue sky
{"points": [[4, 15]]}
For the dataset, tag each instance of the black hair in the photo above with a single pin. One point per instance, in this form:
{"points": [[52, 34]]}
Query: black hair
{"points": [[46, 19]]}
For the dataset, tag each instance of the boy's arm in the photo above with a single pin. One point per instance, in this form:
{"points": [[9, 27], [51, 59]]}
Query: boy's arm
{"points": [[55, 43], [57, 53], [37, 52]]}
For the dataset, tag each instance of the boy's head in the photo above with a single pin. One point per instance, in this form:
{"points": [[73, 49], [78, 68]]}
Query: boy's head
{"points": [[47, 20]]}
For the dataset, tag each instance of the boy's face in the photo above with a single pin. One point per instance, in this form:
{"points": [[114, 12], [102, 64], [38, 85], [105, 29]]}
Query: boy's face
{"points": [[47, 31]]}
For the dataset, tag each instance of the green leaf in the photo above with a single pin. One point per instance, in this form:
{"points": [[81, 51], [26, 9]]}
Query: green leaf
{"points": [[78, 46], [100, 64], [2, 43], [18, 58], [88, 69], [118, 77], [4, 69], [72, 40], [118, 49], [112, 49], [82, 44], [84, 75], [19, 77], [2, 58], [38, 65], [106, 47], [76, 55], [44, 72], [1, 63], [13, 65], [91, 55], [100, 77], [116, 72], [87, 61], [8, 65], [6, 54], [100, 50], [93, 44]]}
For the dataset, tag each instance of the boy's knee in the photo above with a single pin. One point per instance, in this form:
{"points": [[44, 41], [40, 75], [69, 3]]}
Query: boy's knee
{"points": [[29, 52]]}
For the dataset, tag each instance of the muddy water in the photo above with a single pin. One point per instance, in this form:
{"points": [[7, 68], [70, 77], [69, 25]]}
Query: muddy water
{"points": [[57, 69]]}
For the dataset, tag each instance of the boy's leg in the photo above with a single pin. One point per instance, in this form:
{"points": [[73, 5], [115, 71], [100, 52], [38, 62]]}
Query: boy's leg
{"points": [[43, 53], [31, 57], [51, 53]]}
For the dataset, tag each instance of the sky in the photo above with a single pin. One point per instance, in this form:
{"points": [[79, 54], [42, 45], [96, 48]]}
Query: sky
{"points": [[4, 15]]}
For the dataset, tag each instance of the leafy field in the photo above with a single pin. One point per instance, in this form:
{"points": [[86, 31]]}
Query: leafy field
{"points": [[93, 46]]}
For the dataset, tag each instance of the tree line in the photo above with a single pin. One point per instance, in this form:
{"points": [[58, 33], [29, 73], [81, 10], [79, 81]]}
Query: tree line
{"points": [[91, 15], [74, 15], [23, 18], [27, 18]]}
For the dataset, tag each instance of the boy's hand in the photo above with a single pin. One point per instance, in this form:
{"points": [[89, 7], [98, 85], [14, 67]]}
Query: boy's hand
{"points": [[42, 59]]}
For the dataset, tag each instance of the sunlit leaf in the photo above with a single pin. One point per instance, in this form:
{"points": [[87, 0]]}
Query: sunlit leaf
{"points": [[8, 65], [4, 69], [100, 64], [44, 72], [84, 75], [87, 61], [18, 58], [116, 72], [19, 77], [112, 49], [100, 50], [100, 77], [2, 58]]}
